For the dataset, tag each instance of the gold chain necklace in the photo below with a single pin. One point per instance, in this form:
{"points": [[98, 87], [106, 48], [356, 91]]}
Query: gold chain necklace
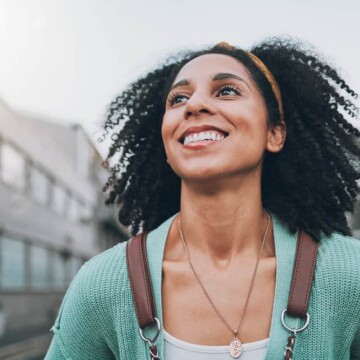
{"points": [[235, 347]]}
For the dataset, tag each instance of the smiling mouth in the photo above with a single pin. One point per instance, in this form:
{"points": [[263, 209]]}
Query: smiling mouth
{"points": [[199, 144], [203, 137]]}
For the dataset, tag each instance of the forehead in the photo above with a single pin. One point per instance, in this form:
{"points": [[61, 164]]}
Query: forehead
{"points": [[210, 64]]}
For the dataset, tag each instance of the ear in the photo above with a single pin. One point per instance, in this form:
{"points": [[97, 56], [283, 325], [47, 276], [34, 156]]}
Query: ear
{"points": [[276, 137]]}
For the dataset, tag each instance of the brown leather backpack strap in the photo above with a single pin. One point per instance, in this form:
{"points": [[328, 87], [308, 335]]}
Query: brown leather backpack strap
{"points": [[142, 291], [303, 274], [140, 281]]}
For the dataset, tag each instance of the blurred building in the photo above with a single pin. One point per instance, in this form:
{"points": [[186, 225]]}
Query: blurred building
{"points": [[52, 219]]}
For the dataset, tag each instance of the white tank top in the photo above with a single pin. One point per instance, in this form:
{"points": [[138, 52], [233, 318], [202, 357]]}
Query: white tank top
{"points": [[176, 349]]}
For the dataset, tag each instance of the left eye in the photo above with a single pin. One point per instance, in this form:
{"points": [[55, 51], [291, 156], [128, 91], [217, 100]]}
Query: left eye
{"points": [[229, 90]]}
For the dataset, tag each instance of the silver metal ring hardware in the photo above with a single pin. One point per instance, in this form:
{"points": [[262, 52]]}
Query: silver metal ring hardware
{"points": [[288, 354], [293, 330], [151, 341]]}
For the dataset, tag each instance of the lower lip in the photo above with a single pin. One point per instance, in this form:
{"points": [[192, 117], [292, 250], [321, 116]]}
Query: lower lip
{"points": [[201, 144]]}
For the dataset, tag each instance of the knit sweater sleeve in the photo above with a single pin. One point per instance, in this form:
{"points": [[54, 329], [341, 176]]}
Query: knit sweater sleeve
{"points": [[355, 304], [79, 327], [54, 352], [355, 347]]}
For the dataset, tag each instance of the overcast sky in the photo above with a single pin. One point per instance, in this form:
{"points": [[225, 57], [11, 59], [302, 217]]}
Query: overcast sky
{"points": [[66, 59]]}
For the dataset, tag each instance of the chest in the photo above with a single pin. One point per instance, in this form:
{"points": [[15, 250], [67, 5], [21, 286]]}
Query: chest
{"points": [[187, 307]]}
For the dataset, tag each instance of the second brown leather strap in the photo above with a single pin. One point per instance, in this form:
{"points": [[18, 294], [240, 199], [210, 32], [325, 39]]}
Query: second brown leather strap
{"points": [[303, 273]]}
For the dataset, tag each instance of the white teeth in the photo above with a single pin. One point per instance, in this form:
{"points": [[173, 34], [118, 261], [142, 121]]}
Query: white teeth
{"points": [[208, 135]]}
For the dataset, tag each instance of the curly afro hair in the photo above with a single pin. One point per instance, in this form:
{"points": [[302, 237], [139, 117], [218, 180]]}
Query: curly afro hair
{"points": [[310, 184]]}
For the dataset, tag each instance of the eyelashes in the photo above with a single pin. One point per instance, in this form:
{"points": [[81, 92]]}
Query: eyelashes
{"points": [[176, 95]]}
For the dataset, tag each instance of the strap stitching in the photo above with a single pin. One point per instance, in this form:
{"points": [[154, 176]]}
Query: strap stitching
{"points": [[299, 254], [144, 272], [132, 282], [312, 272]]}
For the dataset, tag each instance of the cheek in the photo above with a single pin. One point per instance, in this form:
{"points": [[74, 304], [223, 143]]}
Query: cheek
{"points": [[163, 132], [166, 131], [251, 120], [164, 126]]}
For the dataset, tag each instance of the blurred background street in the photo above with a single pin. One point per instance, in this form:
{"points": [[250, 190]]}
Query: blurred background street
{"points": [[52, 219]]}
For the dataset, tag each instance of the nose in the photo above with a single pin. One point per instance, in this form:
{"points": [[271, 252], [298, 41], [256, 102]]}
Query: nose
{"points": [[198, 104]]}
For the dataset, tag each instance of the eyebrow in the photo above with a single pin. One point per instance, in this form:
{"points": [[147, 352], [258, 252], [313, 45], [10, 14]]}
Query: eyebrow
{"points": [[216, 77]]}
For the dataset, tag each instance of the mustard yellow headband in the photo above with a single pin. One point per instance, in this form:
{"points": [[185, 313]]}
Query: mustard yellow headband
{"points": [[269, 76]]}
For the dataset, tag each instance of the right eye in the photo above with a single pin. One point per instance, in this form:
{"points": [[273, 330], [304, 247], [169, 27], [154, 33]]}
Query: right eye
{"points": [[175, 98]]}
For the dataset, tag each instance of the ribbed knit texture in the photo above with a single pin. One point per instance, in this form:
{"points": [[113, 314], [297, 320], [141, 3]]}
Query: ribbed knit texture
{"points": [[97, 317]]}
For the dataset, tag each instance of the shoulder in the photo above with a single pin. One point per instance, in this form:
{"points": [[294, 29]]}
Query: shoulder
{"points": [[339, 251], [101, 279], [337, 270], [336, 288], [100, 283], [107, 264]]}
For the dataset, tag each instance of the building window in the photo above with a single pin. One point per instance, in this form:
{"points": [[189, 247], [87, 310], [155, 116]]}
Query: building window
{"points": [[12, 167], [86, 212], [59, 271], [12, 263], [73, 208], [59, 200], [39, 267], [75, 265], [39, 185]]}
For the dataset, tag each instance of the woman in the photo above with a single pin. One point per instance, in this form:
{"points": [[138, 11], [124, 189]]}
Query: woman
{"points": [[224, 156]]}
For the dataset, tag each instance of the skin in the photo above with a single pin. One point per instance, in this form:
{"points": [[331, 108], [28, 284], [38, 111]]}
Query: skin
{"points": [[222, 217]]}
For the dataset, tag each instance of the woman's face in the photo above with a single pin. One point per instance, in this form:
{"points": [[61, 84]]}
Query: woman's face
{"points": [[215, 121]]}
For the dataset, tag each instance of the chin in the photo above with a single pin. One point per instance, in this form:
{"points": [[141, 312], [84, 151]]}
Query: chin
{"points": [[202, 175]]}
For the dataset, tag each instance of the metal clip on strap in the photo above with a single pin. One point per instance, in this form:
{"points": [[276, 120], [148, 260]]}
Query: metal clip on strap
{"points": [[300, 289]]}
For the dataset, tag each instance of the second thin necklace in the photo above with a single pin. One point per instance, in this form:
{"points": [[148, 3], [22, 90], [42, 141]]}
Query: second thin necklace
{"points": [[235, 347]]}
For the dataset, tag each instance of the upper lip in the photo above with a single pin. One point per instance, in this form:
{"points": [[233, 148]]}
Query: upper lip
{"points": [[200, 128]]}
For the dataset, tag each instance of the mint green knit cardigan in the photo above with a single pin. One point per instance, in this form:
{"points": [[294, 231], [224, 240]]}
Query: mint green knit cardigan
{"points": [[97, 317]]}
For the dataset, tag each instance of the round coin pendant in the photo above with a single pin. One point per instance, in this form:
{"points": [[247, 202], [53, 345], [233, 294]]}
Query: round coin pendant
{"points": [[235, 348]]}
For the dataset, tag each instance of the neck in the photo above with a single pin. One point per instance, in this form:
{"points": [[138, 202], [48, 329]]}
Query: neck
{"points": [[226, 223]]}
